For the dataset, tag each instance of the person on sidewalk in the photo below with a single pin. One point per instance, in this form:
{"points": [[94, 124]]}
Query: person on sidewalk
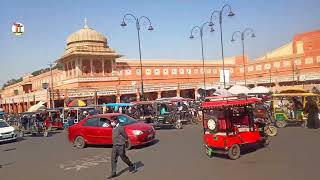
{"points": [[119, 139]]}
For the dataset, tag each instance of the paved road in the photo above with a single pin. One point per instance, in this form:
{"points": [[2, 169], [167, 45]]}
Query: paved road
{"points": [[294, 155]]}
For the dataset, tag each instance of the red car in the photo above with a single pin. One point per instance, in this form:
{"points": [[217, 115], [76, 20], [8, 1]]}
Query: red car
{"points": [[97, 130]]}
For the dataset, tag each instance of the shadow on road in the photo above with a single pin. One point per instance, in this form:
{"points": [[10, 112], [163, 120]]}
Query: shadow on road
{"points": [[138, 164], [4, 165], [136, 147]]}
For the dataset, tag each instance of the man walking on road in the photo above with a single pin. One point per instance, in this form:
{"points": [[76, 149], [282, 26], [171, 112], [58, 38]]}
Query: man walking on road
{"points": [[119, 139]]}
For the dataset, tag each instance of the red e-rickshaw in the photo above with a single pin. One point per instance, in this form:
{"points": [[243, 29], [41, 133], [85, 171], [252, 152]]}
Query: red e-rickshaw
{"points": [[229, 125]]}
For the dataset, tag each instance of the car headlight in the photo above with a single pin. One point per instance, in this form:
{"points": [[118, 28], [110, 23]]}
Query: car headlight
{"points": [[137, 132], [212, 124]]}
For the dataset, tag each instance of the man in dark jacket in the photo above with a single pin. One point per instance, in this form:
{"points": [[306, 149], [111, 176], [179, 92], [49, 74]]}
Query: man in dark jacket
{"points": [[119, 139]]}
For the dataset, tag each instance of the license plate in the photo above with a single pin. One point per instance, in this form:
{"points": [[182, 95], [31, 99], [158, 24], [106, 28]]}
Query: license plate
{"points": [[6, 136]]}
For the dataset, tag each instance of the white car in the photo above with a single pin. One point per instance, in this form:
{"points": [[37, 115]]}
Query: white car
{"points": [[7, 132]]}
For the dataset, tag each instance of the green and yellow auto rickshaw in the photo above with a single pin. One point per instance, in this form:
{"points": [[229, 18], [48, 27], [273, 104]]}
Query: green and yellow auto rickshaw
{"points": [[288, 106]]}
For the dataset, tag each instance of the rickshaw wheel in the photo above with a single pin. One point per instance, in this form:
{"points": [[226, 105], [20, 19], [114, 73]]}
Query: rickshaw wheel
{"points": [[271, 130], [45, 133], [21, 134], [79, 142], [281, 124], [234, 152], [129, 144], [209, 152], [178, 125]]}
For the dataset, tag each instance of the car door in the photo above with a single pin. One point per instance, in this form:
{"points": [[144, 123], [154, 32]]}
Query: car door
{"points": [[90, 130], [105, 131]]}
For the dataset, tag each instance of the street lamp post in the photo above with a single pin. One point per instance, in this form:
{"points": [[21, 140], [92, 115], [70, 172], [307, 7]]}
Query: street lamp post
{"points": [[243, 34], [219, 14], [138, 27], [51, 88], [200, 28]]}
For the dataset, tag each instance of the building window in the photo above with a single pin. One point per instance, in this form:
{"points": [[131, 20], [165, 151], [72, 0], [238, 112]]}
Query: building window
{"points": [[181, 71], [276, 64], [250, 68], [128, 72], [107, 66], [308, 60], [242, 70], [209, 71], [214, 71], [120, 72], [297, 61], [189, 71], [258, 67], [231, 70], [97, 66], [157, 71], [286, 64], [174, 71], [138, 71], [201, 71], [165, 71], [148, 72], [318, 59], [196, 71], [267, 66]]}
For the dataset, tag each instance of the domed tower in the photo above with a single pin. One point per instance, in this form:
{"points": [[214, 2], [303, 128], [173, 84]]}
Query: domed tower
{"points": [[88, 57]]}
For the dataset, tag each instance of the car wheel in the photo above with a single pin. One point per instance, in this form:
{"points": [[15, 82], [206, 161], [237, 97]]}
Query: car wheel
{"points": [[234, 152], [271, 130], [281, 124], [79, 142], [129, 144]]}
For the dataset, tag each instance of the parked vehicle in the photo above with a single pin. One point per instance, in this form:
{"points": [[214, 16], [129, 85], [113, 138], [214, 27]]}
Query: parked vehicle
{"points": [[97, 130], [229, 125], [54, 120], [72, 115], [288, 106], [32, 124], [159, 113], [7, 132]]}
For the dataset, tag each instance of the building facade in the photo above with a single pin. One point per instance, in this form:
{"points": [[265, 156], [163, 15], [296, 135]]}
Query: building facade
{"points": [[92, 71]]}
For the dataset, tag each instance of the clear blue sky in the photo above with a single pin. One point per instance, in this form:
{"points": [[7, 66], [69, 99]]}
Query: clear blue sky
{"points": [[48, 23]]}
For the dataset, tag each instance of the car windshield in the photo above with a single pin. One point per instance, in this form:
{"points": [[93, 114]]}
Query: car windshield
{"points": [[3, 124], [124, 120]]}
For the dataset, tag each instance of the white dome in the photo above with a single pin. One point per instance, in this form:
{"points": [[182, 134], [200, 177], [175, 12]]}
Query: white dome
{"points": [[86, 34]]}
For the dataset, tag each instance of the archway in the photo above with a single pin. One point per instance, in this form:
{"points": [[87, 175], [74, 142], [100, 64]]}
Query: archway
{"points": [[167, 94], [127, 98], [187, 93], [107, 99], [150, 96]]}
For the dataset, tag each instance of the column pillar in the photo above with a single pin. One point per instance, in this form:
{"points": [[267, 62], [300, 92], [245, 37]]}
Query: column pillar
{"points": [[178, 92], [196, 93], [159, 94], [138, 95], [91, 67], [103, 67], [118, 98]]}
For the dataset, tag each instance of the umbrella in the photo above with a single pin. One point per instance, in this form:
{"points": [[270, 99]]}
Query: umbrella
{"points": [[76, 103], [237, 89], [222, 92], [259, 90]]}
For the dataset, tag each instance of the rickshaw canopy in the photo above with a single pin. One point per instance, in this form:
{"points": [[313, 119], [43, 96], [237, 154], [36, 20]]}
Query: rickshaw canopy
{"points": [[118, 104], [229, 103], [293, 90], [294, 94]]}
